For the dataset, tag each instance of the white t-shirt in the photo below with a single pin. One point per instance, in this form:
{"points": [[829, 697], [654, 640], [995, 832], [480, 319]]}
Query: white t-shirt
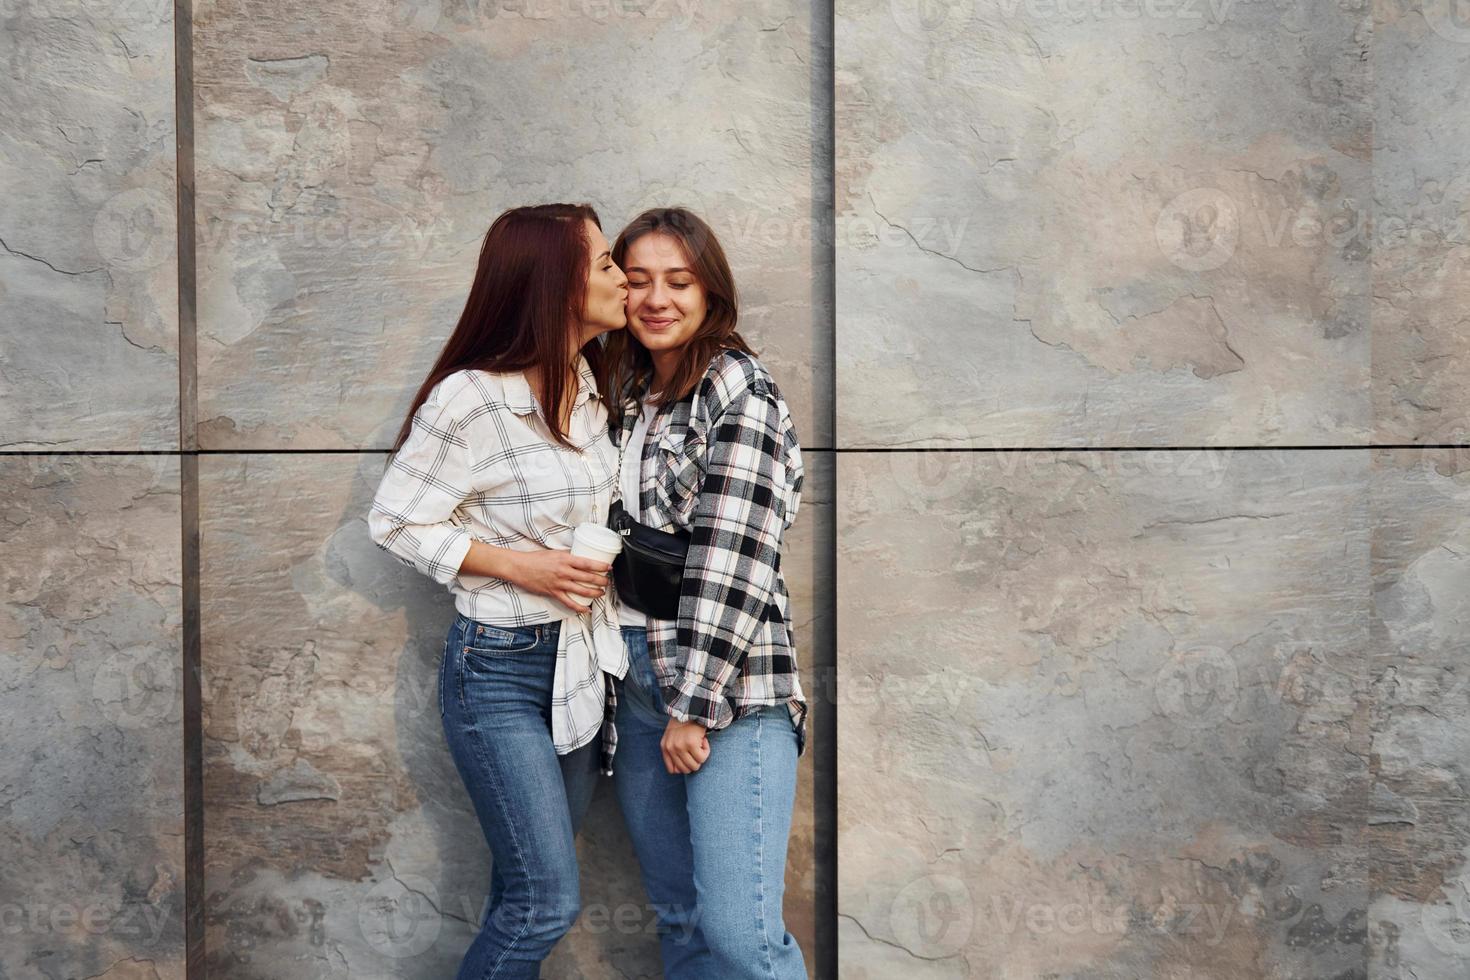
{"points": [[629, 488]]}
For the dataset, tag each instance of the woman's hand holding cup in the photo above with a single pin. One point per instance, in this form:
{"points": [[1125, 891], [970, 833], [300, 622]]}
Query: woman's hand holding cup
{"points": [[568, 578]]}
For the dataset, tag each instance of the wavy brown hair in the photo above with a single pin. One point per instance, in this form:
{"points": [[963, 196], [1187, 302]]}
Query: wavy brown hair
{"points": [[529, 291], [626, 364]]}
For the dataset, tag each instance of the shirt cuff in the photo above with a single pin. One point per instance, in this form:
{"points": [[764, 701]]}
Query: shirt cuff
{"points": [[696, 700], [451, 553]]}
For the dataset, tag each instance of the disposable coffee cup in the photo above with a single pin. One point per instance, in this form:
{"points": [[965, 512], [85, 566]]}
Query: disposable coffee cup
{"points": [[597, 542]]}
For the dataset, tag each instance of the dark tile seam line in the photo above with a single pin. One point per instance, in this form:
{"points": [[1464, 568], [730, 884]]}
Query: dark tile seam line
{"points": [[192, 728], [805, 449], [1139, 449], [827, 955]]}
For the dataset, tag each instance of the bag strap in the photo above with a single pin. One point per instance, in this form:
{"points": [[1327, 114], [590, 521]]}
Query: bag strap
{"points": [[618, 485]]}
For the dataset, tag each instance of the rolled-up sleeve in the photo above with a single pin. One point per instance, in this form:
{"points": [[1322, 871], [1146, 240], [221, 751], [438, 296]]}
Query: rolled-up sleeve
{"points": [[731, 573], [413, 514]]}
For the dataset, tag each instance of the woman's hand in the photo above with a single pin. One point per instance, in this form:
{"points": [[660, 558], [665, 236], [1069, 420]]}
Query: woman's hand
{"points": [[685, 746], [558, 575]]}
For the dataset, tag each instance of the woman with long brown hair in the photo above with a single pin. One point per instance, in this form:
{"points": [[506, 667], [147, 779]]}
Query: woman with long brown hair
{"points": [[504, 452], [711, 715]]}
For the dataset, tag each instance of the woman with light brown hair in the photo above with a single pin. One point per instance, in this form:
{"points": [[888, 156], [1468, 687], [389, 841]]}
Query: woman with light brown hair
{"points": [[711, 715]]}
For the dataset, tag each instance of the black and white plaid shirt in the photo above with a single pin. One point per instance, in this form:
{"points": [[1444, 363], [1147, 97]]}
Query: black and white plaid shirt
{"points": [[480, 463], [724, 465]]}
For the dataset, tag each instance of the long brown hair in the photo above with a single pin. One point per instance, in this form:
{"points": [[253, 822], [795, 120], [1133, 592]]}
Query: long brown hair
{"points": [[626, 363], [529, 289]]}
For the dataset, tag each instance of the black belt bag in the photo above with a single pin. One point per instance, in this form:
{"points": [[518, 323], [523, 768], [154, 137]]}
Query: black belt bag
{"points": [[649, 571]]}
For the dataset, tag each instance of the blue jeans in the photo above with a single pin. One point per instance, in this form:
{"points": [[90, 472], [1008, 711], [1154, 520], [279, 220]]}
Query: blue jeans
{"points": [[712, 845], [495, 688]]}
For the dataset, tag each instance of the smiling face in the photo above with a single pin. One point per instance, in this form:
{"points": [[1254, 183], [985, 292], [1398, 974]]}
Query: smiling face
{"points": [[607, 289], [666, 303]]}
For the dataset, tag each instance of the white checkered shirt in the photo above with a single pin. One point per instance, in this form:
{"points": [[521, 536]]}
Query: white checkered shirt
{"points": [[480, 464]]}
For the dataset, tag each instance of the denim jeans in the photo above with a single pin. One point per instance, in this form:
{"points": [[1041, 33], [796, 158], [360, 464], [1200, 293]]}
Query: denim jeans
{"points": [[711, 845], [495, 687]]}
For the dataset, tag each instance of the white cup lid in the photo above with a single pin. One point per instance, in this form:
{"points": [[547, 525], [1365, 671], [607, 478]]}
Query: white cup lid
{"points": [[599, 537]]}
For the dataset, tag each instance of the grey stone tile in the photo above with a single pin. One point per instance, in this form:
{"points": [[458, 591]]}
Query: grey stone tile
{"points": [[1104, 714], [1421, 249], [88, 277], [1419, 821], [351, 157], [91, 779], [320, 657], [328, 788], [1102, 224]]}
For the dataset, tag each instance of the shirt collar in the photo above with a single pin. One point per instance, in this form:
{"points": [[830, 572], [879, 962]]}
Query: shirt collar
{"points": [[520, 400]]}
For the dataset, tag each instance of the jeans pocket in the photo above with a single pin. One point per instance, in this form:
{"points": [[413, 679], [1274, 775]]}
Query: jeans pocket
{"points": [[484, 642]]}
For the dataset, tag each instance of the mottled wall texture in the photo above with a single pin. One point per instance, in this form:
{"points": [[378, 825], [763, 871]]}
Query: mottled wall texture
{"points": [[91, 774], [1149, 479], [338, 165], [91, 582], [1159, 670], [348, 160], [88, 282]]}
